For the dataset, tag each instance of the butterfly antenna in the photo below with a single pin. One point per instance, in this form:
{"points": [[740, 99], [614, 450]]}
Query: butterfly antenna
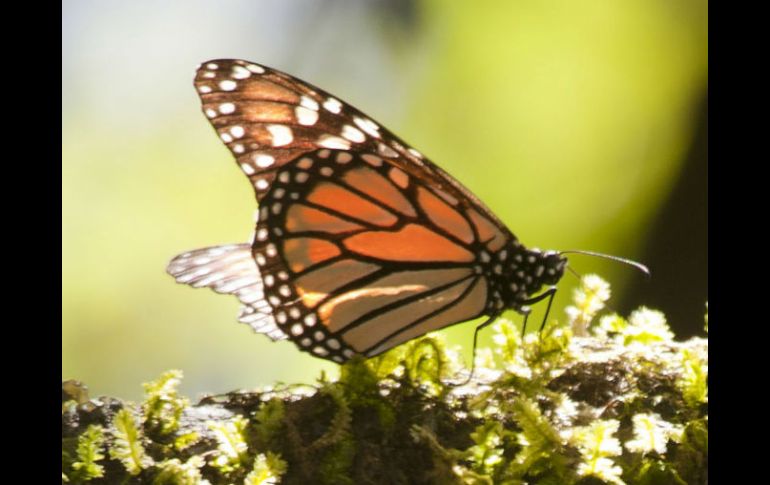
{"points": [[629, 262], [644, 269]]}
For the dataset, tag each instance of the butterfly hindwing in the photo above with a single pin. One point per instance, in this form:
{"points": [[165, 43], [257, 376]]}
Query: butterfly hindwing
{"points": [[351, 261], [229, 269]]}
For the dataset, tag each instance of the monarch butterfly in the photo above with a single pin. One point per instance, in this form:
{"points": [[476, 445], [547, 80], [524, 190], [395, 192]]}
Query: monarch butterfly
{"points": [[361, 242]]}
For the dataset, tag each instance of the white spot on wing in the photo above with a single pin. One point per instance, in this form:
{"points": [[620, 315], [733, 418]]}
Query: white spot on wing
{"points": [[228, 85], [248, 168], [386, 151], [330, 141], [333, 105], [368, 126], [415, 153], [262, 160], [320, 351], [261, 184], [255, 68], [353, 134], [306, 116], [212, 66], [282, 135], [226, 108], [204, 89], [308, 103], [271, 251], [240, 72]]}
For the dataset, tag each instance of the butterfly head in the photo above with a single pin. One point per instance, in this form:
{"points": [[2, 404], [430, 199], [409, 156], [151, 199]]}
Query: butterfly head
{"points": [[554, 264]]}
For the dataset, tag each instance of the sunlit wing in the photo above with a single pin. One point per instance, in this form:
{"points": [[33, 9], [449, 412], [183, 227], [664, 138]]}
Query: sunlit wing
{"points": [[229, 269], [361, 242], [358, 256]]}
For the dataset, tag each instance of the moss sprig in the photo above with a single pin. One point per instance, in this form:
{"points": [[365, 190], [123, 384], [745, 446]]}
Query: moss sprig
{"points": [[127, 446], [89, 452]]}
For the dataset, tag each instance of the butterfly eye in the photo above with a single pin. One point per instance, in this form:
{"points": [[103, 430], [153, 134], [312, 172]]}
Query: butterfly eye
{"points": [[361, 242]]}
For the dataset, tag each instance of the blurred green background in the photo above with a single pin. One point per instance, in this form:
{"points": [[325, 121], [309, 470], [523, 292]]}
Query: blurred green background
{"points": [[571, 120]]}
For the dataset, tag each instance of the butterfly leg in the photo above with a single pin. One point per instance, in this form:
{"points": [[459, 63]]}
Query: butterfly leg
{"points": [[525, 311], [486, 323], [550, 293]]}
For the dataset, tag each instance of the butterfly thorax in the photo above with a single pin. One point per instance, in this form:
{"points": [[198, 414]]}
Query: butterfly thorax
{"points": [[516, 273]]}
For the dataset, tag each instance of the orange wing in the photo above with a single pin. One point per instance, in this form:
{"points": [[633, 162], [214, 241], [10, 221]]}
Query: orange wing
{"points": [[358, 256], [361, 243]]}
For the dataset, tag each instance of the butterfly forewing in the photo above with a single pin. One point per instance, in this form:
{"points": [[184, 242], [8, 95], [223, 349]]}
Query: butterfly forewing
{"points": [[268, 118]]}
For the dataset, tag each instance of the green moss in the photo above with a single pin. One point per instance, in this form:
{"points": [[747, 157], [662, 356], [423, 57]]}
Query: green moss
{"points": [[622, 404], [127, 443], [231, 444], [337, 441], [486, 455], [174, 472], [267, 469], [694, 378], [654, 472], [89, 452], [162, 406], [268, 423], [186, 440], [598, 447]]}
